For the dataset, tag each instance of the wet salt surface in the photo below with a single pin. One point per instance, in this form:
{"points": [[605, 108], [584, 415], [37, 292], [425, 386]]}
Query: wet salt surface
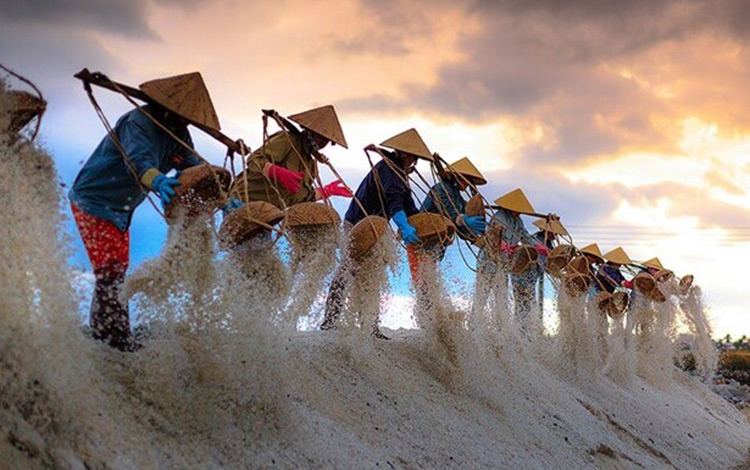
{"points": [[224, 382]]}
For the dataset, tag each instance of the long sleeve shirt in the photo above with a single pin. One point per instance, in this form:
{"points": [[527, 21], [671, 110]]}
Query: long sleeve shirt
{"points": [[108, 188], [385, 199], [514, 232], [609, 278], [289, 150], [445, 198]]}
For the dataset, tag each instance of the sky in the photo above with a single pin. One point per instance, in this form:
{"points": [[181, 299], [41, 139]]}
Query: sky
{"points": [[627, 118]]}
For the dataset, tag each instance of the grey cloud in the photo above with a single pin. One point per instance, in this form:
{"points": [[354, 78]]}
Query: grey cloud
{"points": [[123, 17]]}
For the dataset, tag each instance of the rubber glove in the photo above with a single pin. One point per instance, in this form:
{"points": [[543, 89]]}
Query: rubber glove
{"points": [[290, 180], [541, 249], [163, 185], [476, 223], [233, 204], [336, 188], [507, 249], [628, 284], [408, 233]]}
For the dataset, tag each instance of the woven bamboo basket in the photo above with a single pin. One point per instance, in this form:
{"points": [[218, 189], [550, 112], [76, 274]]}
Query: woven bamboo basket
{"points": [[202, 190], [522, 259], [664, 275], [24, 108], [618, 304], [603, 301], [243, 223], [475, 206], [308, 214], [646, 285], [433, 228], [490, 241], [365, 234], [578, 265], [685, 283], [558, 258], [613, 304], [576, 284]]}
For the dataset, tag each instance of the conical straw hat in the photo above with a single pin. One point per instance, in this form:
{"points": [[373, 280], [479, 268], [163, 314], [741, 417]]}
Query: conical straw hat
{"points": [[593, 250], [410, 142], [654, 263], [466, 168], [515, 201], [618, 256], [185, 95], [554, 226], [323, 121]]}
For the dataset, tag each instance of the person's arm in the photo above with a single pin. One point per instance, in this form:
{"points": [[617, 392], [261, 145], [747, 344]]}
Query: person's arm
{"points": [[137, 140], [266, 161], [275, 149], [186, 157]]}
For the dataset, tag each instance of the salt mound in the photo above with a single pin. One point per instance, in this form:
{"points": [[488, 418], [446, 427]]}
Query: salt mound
{"points": [[218, 386]]}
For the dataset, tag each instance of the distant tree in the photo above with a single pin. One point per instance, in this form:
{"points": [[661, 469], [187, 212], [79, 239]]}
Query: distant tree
{"points": [[728, 338]]}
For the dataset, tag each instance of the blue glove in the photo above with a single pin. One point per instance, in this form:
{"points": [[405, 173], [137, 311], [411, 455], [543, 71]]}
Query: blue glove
{"points": [[477, 224], [163, 186], [408, 233], [233, 204]]}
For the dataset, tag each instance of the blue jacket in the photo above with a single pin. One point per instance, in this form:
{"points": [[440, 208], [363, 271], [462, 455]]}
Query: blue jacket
{"points": [[395, 194], [609, 277], [445, 198], [107, 188]]}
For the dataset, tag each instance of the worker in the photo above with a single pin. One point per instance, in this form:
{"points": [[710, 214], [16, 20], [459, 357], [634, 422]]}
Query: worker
{"points": [[509, 208], [445, 198], [283, 170], [385, 191], [111, 185], [547, 236], [609, 275]]}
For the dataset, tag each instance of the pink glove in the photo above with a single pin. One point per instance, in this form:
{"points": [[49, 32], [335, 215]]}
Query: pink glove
{"points": [[627, 284], [336, 188], [290, 180], [541, 249], [507, 249]]}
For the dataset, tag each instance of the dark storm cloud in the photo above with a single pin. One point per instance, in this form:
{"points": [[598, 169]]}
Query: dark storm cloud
{"points": [[125, 17]]}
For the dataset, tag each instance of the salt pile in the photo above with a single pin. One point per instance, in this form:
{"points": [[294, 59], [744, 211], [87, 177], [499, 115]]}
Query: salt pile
{"points": [[223, 384]]}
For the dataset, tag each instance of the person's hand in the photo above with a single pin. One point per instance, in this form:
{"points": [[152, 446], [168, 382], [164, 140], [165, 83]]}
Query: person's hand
{"points": [[371, 148], [321, 158], [336, 188], [408, 232], [233, 204], [476, 223], [290, 180], [541, 249], [627, 284], [507, 249], [163, 186]]}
